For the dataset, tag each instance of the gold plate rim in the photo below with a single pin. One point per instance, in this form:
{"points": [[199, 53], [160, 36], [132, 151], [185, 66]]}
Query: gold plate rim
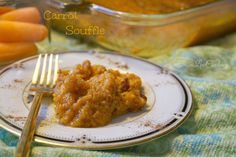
{"points": [[49, 142]]}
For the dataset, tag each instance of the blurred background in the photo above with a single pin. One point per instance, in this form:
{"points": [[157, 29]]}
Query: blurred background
{"points": [[141, 28]]}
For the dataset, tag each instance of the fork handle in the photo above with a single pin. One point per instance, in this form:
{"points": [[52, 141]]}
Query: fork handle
{"points": [[23, 146]]}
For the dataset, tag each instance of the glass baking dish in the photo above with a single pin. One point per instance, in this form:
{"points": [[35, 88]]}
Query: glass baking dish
{"points": [[142, 34]]}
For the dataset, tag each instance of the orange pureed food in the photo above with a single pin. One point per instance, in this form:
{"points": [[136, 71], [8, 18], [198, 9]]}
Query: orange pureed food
{"points": [[91, 95], [150, 6]]}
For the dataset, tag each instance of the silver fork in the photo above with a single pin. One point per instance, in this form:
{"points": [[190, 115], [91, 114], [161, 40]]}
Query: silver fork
{"points": [[41, 84]]}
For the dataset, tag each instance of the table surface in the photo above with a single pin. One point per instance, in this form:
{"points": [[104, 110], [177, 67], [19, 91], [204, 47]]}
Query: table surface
{"points": [[208, 69]]}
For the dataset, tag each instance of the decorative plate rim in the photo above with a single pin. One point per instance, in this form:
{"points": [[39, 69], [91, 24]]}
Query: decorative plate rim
{"points": [[50, 141]]}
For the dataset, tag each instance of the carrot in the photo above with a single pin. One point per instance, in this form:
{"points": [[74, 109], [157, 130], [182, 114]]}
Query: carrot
{"points": [[14, 51], [5, 9], [21, 32], [30, 14]]}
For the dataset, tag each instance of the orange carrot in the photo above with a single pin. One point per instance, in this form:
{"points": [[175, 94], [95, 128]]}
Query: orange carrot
{"points": [[5, 9], [21, 32], [15, 51], [30, 14]]}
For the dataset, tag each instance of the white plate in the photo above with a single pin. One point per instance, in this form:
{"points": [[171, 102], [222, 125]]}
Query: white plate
{"points": [[169, 104]]}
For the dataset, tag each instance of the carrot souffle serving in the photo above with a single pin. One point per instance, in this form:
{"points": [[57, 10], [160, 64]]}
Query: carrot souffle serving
{"points": [[150, 6], [91, 95]]}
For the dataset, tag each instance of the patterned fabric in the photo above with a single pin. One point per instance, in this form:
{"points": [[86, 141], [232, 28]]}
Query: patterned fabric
{"points": [[210, 71]]}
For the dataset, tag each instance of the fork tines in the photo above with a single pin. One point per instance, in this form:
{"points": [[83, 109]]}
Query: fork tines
{"points": [[43, 75]]}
